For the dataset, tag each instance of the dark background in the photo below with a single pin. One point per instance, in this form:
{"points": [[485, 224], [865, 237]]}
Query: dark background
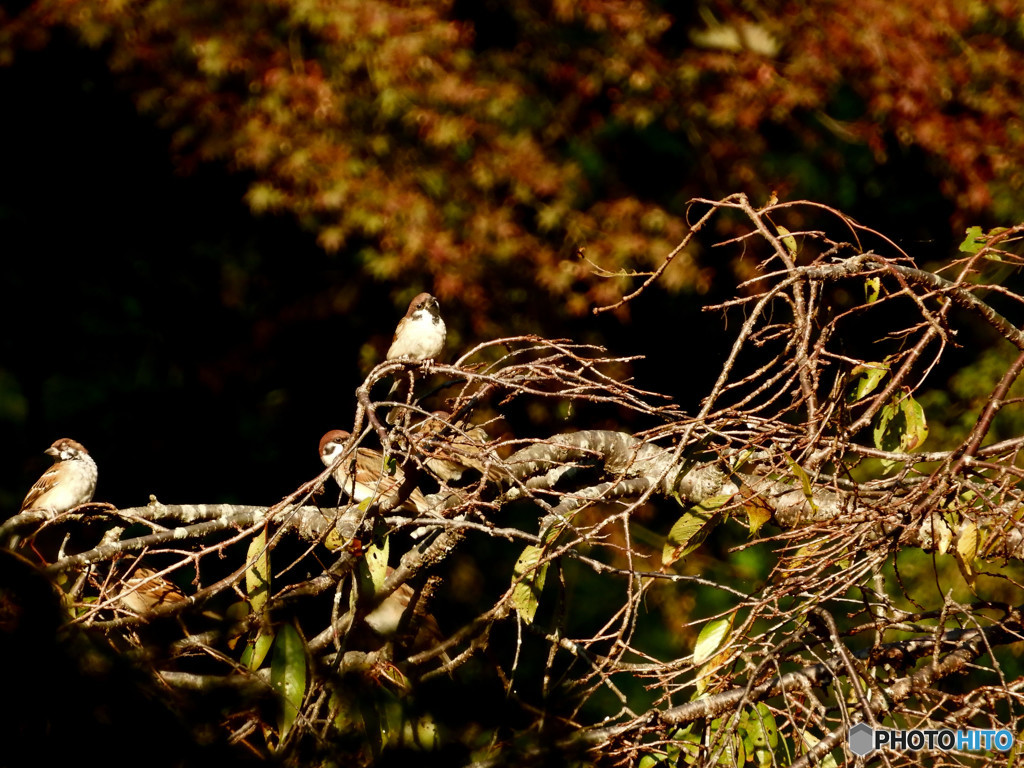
{"points": [[137, 325]]}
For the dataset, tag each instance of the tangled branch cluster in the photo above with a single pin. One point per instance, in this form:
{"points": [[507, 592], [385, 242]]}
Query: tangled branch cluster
{"points": [[325, 620]]}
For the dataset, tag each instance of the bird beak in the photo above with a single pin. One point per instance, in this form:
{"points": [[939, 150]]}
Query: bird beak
{"points": [[51, 451]]}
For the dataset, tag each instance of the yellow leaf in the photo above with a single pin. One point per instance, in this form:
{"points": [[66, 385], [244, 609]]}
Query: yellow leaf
{"points": [[758, 511], [377, 563], [811, 740], [788, 240], [872, 289], [528, 577], [257, 575], [967, 543], [257, 586], [943, 535]]}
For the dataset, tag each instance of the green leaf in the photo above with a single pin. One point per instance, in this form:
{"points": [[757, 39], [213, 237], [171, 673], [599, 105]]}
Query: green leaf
{"points": [[528, 578], [805, 481], [371, 571], [974, 241], [375, 723], [419, 733], [917, 426], [288, 676], [901, 426], [711, 638], [255, 650], [761, 727], [734, 754], [886, 435], [871, 374], [690, 530], [687, 745], [335, 539]]}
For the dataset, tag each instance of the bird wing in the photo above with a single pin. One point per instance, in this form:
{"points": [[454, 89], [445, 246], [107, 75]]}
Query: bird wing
{"points": [[46, 483]]}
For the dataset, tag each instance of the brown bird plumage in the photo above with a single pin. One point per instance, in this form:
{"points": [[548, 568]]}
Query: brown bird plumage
{"points": [[421, 333], [453, 447], [70, 482], [364, 474]]}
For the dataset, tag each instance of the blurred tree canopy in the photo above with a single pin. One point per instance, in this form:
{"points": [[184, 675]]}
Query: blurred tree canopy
{"points": [[479, 146]]}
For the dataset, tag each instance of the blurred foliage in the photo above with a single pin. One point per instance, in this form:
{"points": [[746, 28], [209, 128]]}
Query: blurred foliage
{"points": [[480, 145], [958, 404]]}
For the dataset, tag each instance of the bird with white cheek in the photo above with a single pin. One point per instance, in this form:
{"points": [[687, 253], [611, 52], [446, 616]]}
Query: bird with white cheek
{"points": [[421, 333], [365, 474], [69, 483]]}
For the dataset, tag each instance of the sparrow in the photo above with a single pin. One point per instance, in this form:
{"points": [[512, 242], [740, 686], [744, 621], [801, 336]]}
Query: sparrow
{"points": [[422, 630], [70, 482], [421, 333], [453, 447], [143, 591], [364, 474]]}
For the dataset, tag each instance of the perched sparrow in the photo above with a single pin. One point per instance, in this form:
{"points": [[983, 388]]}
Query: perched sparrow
{"points": [[364, 474], [452, 447], [421, 333], [143, 591], [70, 482], [422, 631]]}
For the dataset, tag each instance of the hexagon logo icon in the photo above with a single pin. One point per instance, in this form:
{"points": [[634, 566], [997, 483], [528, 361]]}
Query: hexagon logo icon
{"points": [[861, 739]]}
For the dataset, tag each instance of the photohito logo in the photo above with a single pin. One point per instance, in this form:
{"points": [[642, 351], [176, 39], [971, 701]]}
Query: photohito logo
{"points": [[865, 739]]}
